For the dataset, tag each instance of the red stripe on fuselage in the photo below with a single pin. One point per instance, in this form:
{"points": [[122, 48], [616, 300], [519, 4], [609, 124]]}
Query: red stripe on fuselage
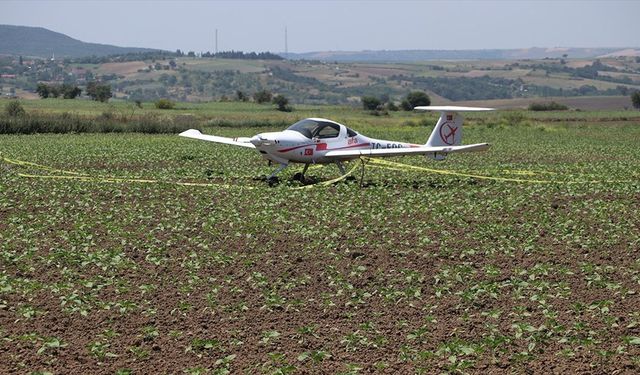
{"points": [[322, 147], [294, 148], [352, 146]]}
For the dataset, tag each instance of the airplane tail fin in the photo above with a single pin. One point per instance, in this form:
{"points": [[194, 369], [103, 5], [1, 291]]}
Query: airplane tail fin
{"points": [[448, 129]]}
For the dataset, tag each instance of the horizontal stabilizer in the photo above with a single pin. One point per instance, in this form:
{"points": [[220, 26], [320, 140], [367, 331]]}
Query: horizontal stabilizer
{"points": [[195, 134], [383, 152]]}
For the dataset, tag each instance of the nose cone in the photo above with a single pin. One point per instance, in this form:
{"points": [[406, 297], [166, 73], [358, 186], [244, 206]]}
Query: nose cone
{"points": [[256, 140], [266, 139], [261, 140]]}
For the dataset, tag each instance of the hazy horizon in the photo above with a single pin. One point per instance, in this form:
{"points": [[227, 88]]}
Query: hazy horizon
{"points": [[335, 25]]}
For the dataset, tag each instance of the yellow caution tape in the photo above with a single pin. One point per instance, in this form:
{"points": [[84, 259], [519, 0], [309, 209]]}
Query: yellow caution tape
{"points": [[37, 166], [404, 167], [373, 162], [447, 172], [133, 180], [332, 181], [69, 175]]}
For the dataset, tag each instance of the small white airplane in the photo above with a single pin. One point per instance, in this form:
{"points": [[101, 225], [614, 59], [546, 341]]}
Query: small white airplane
{"points": [[322, 141]]}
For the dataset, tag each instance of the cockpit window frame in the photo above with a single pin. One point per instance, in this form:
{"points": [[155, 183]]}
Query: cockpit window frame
{"points": [[322, 125], [311, 128]]}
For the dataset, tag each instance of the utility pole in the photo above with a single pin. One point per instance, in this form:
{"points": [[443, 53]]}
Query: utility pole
{"points": [[216, 41], [286, 44]]}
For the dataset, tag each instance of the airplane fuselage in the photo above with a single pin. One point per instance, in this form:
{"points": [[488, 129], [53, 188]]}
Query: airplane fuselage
{"points": [[292, 146]]}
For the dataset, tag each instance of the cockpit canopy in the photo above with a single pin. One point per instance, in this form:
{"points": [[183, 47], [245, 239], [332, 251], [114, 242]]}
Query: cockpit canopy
{"points": [[316, 128]]}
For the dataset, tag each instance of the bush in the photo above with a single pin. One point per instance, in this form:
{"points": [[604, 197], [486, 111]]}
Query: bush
{"points": [[98, 91], [415, 99], [513, 118], [405, 105], [379, 112], [241, 97], [262, 96], [549, 106], [43, 90], [14, 109], [70, 91], [165, 104], [104, 123], [282, 103], [370, 102]]}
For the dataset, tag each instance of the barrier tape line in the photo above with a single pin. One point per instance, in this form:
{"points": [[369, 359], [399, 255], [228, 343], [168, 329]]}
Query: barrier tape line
{"points": [[451, 173], [69, 175], [332, 181], [373, 162], [38, 166], [133, 180], [405, 167]]}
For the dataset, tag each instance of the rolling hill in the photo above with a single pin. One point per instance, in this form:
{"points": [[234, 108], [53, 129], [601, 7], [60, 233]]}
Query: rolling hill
{"points": [[481, 54], [41, 42]]}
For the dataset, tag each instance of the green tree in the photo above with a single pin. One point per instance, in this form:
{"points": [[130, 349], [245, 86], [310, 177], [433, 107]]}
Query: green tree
{"points": [[370, 102], [282, 103], [635, 99], [43, 90], [70, 91], [240, 96], [99, 92], [55, 91], [415, 99], [262, 96], [14, 109]]}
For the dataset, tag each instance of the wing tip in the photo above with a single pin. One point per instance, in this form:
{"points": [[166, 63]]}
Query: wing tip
{"points": [[190, 132]]}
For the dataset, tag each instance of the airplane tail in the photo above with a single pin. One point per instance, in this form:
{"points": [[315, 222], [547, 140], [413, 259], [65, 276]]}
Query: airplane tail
{"points": [[448, 129]]}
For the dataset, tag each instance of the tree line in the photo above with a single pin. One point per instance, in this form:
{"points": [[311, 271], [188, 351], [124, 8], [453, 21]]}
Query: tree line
{"points": [[97, 91], [412, 100], [164, 55]]}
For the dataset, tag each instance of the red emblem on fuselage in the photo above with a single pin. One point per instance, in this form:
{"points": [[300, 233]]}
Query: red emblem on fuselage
{"points": [[308, 151]]}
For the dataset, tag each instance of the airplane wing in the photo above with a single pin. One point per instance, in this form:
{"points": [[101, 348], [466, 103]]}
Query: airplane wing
{"points": [[195, 134], [383, 152]]}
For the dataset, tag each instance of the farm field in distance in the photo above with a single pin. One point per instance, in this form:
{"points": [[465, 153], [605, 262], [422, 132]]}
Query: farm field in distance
{"points": [[577, 82], [415, 271]]}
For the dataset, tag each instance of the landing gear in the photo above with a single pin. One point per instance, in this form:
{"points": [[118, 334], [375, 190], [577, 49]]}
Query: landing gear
{"points": [[341, 168], [273, 179], [300, 175], [280, 168], [343, 172]]}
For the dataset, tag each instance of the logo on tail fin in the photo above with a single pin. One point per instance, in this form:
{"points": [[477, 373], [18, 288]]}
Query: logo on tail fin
{"points": [[448, 133]]}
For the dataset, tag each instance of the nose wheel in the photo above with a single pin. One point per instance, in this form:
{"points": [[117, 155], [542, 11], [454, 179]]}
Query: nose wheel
{"points": [[273, 178]]}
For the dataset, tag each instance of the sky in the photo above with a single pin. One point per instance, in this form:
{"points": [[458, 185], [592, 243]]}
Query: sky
{"points": [[335, 25]]}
